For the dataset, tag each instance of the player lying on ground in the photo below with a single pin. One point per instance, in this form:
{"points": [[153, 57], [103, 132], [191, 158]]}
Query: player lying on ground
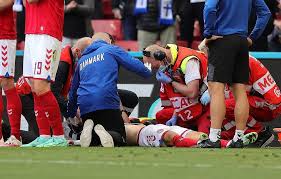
{"points": [[161, 135]]}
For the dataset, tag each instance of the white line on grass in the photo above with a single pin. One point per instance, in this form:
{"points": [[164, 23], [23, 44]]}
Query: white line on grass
{"points": [[111, 163], [125, 163]]}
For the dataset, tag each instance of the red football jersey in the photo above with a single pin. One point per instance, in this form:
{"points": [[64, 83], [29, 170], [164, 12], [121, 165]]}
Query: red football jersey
{"points": [[45, 17], [7, 24]]}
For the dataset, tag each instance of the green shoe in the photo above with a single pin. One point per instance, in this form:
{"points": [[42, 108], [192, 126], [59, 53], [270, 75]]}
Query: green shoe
{"points": [[203, 136], [250, 138], [38, 141], [55, 142]]}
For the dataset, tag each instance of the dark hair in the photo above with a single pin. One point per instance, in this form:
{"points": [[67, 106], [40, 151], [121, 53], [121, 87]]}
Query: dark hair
{"points": [[111, 38]]}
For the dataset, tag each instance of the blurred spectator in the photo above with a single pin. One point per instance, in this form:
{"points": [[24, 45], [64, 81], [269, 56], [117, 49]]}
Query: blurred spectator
{"points": [[193, 10], [123, 9], [20, 29], [262, 43], [98, 12], [274, 39], [76, 20], [156, 18]]}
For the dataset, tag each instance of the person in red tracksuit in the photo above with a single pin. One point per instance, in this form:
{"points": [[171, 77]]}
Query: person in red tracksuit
{"points": [[181, 81], [264, 101]]}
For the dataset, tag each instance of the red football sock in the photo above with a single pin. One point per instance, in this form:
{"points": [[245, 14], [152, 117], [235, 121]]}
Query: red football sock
{"points": [[52, 112], [1, 113], [14, 109], [42, 122], [179, 141]]}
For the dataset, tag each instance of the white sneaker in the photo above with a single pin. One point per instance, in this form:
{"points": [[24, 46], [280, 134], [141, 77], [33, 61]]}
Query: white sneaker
{"points": [[86, 135], [105, 138], [12, 142]]}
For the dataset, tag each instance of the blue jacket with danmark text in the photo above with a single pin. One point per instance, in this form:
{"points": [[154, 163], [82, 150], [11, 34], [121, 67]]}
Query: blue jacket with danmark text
{"points": [[94, 84]]}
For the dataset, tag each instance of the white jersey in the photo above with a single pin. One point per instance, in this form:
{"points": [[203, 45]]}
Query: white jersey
{"points": [[152, 135]]}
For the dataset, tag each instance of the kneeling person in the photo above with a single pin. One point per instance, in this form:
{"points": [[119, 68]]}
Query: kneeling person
{"points": [[94, 88]]}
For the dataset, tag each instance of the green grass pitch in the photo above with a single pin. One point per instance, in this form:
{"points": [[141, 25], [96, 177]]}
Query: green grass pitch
{"points": [[139, 163]]}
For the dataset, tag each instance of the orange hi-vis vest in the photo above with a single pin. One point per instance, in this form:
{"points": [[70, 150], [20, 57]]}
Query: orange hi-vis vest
{"points": [[66, 56], [185, 54], [187, 109], [262, 82]]}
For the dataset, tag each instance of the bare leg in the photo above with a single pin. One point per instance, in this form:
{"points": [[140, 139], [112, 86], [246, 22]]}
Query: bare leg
{"points": [[241, 110], [217, 109]]}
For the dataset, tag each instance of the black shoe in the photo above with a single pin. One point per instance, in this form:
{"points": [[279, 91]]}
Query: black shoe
{"points": [[265, 138], [209, 144], [237, 144]]}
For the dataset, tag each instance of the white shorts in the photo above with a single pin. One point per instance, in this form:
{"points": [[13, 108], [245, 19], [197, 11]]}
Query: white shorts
{"points": [[151, 135], [180, 130], [7, 57], [41, 57]]}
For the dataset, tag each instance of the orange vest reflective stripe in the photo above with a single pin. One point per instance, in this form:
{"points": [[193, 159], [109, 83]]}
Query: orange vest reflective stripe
{"points": [[184, 52]]}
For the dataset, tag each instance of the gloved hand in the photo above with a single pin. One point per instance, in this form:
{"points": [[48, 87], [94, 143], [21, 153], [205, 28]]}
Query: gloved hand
{"points": [[172, 121], [163, 78], [205, 98]]}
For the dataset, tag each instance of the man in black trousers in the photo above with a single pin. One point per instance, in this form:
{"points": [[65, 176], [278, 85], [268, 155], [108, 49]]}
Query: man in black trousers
{"points": [[226, 33]]}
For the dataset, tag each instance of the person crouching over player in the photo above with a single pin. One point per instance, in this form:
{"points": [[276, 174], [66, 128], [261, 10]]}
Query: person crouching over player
{"points": [[182, 72], [94, 89]]}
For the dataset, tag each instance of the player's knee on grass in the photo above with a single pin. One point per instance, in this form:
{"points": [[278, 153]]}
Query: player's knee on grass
{"points": [[117, 139]]}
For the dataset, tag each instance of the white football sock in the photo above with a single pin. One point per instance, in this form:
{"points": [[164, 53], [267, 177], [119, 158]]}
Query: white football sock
{"points": [[215, 134], [239, 134]]}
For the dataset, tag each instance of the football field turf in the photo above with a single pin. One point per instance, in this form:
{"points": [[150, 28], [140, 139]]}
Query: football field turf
{"points": [[139, 163]]}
